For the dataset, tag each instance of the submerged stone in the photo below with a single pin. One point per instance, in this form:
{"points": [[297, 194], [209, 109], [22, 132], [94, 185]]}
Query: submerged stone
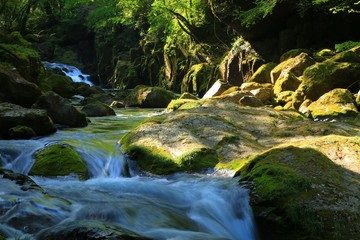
{"points": [[90, 230]]}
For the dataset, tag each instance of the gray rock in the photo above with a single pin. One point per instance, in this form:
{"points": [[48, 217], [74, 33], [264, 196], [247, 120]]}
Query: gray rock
{"points": [[15, 89], [251, 101], [98, 109], [12, 115], [60, 110]]}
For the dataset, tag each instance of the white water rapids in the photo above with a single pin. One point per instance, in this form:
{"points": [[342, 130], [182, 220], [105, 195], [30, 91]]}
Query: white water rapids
{"points": [[176, 207], [182, 206]]}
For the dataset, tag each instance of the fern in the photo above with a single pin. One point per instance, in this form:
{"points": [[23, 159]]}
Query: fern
{"points": [[261, 9]]}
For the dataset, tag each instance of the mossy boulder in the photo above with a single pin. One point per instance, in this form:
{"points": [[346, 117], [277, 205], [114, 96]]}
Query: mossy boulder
{"points": [[262, 74], [351, 55], [294, 53], [15, 89], [59, 84], [328, 75], [295, 65], [287, 81], [149, 97], [60, 110], [323, 55], [181, 104], [12, 115], [306, 189], [58, 160], [21, 132], [232, 131], [284, 97], [98, 109], [334, 104], [266, 95], [187, 95], [197, 79], [25, 60]]}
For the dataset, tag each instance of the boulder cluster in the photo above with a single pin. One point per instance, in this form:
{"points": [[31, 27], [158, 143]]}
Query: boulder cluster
{"points": [[291, 132]]}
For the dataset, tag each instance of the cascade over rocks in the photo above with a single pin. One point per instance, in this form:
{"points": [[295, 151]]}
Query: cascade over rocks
{"points": [[302, 175], [12, 115]]}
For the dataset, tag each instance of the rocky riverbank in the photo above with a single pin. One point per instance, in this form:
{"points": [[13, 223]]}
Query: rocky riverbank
{"points": [[291, 133]]}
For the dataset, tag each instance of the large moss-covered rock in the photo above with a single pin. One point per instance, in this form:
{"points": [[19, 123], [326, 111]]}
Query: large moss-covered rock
{"points": [[15, 89], [225, 130], [323, 77], [58, 160], [60, 110], [308, 189], [25, 60], [287, 81], [12, 115], [295, 65], [149, 97], [336, 103], [59, 84]]}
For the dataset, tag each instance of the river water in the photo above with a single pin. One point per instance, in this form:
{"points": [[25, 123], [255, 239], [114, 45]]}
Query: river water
{"points": [[177, 207]]}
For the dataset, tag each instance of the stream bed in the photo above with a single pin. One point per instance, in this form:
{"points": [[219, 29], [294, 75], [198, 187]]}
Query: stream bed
{"points": [[176, 207]]}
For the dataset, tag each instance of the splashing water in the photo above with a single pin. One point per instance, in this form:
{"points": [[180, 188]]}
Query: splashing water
{"points": [[177, 207], [73, 72]]}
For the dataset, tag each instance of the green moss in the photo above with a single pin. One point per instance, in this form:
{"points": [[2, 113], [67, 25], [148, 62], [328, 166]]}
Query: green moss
{"points": [[197, 79], [293, 53], [283, 180], [235, 164], [58, 160], [20, 52], [346, 46], [182, 104], [152, 160], [16, 38], [158, 161], [198, 159], [59, 84]]}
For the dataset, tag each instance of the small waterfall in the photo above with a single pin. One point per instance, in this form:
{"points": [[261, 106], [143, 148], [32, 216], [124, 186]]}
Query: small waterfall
{"points": [[74, 73], [177, 207]]}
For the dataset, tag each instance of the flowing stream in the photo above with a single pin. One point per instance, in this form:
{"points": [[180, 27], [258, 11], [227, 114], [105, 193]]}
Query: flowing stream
{"points": [[176, 207]]}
